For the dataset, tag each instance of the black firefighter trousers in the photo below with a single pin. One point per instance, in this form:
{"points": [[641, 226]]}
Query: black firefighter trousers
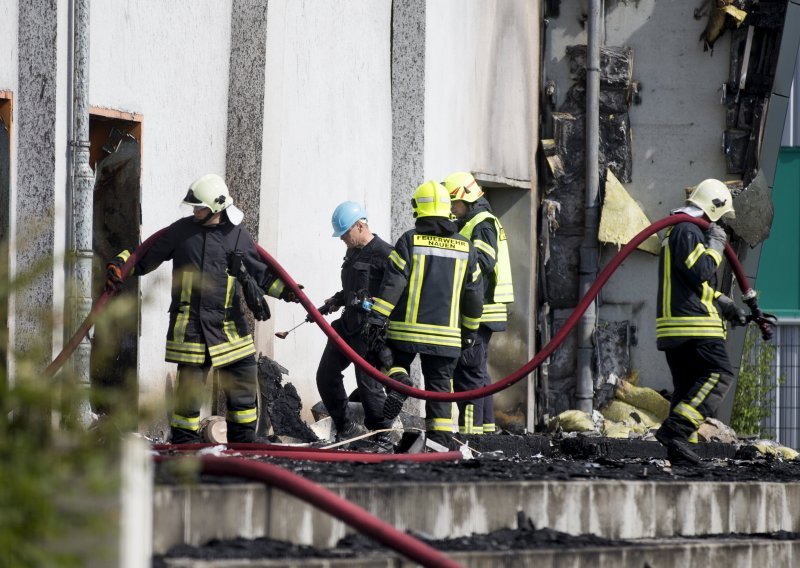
{"points": [[701, 376], [331, 387], [475, 416], [237, 380]]}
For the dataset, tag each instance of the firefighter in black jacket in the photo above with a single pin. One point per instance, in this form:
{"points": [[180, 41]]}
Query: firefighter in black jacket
{"points": [[362, 271], [431, 294], [214, 260], [689, 326], [477, 223]]}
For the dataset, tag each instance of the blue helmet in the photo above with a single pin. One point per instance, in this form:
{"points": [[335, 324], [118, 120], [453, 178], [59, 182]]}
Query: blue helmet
{"points": [[345, 216]]}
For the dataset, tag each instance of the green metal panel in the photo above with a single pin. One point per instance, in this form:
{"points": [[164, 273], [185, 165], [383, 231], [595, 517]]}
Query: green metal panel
{"points": [[779, 269]]}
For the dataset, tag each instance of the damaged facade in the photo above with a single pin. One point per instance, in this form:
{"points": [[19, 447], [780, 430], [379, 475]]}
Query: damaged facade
{"points": [[301, 105]]}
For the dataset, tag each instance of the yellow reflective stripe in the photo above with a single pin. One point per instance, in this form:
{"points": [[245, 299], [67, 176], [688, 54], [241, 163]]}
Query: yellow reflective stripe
{"points": [[232, 356], [689, 320], [459, 272], [382, 307], [182, 357], [415, 287], [186, 347], [666, 283], [412, 337], [715, 255], [490, 427], [707, 299], [397, 260], [276, 289], [242, 416], [693, 439], [470, 323], [476, 274], [701, 395], [485, 247], [695, 255], [223, 347], [689, 413], [439, 424], [228, 326], [394, 370], [425, 327], [182, 319], [504, 293], [185, 422]]}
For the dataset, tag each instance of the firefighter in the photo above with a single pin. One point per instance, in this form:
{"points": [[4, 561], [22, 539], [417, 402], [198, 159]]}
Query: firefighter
{"points": [[214, 262], [690, 313], [362, 271], [430, 298], [477, 223]]}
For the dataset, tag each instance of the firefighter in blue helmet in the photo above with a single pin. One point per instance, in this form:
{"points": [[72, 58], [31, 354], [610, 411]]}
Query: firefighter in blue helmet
{"points": [[689, 318], [429, 303], [214, 263], [476, 222], [362, 272]]}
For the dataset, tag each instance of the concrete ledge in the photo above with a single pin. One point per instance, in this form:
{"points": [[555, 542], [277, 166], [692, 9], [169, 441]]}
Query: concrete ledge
{"points": [[729, 553], [607, 508]]}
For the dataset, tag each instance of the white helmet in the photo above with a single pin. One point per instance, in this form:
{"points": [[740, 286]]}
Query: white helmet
{"points": [[210, 191], [714, 198]]}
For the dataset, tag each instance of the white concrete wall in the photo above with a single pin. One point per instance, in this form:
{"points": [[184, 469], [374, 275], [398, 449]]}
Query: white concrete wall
{"points": [[327, 139], [480, 86], [677, 133], [167, 61]]}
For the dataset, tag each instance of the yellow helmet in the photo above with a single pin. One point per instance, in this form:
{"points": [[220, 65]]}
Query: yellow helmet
{"points": [[462, 187], [714, 198], [431, 200], [211, 191]]}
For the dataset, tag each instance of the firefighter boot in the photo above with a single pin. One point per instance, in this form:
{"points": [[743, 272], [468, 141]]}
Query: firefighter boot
{"points": [[349, 430], [678, 450], [394, 399], [383, 443]]}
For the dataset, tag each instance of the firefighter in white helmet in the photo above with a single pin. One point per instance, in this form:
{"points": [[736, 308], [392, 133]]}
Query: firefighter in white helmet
{"points": [[214, 263], [478, 223], [431, 299], [689, 318]]}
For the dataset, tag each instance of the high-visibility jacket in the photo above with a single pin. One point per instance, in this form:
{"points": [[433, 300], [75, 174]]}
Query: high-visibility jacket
{"points": [[205, 311], [687, 277], [431, 290], [483, 228]]}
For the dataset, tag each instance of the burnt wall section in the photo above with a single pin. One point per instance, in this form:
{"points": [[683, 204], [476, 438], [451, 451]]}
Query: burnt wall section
{"points": [[563, 150], [36, 176], [408, 109], [246, 107]]}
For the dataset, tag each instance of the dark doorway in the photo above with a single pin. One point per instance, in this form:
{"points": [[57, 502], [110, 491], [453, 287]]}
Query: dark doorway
{"points": [[115, 157]]}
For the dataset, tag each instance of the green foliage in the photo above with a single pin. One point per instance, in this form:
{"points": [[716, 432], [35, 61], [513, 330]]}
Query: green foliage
{"points": [[755, 389], [59, 480]]}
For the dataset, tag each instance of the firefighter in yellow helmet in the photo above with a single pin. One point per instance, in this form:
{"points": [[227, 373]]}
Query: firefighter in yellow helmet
{"points": [[689, 318], [430, 297], [477, 222], [214, 263]]}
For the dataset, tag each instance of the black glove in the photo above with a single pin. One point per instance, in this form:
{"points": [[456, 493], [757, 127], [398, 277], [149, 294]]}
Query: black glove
{"points": [[730, 311], [289, 295], [253, 294], [114, 275], [373, 333], [468, 338], [329, 306], [716, 238]]}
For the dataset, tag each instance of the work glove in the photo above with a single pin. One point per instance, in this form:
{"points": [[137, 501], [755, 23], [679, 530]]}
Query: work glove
{"points": [[373, 332], [329, 306], [114, 275], [468, 338], [289, 295], [716, 238], [730, 311], [253, 294], [468, 347]]}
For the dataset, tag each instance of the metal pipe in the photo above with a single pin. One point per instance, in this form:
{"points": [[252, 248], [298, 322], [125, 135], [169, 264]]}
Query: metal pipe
{"points": [[584, 393], [82, 204]]}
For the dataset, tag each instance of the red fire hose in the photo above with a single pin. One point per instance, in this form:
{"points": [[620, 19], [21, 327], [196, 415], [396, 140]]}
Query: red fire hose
{"points": [[329, 502], [747, 293]]}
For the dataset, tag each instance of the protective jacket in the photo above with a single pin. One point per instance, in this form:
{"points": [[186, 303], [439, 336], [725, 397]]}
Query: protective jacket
{"points": [[362, 273], [687, 277], [431, 289], [483, 228], [205, 311]]}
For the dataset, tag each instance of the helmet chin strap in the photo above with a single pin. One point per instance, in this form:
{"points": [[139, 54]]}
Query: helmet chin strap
{"points": [[205, 219]]}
